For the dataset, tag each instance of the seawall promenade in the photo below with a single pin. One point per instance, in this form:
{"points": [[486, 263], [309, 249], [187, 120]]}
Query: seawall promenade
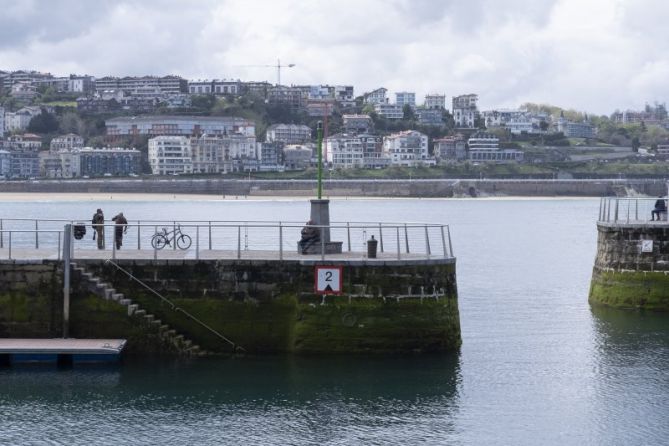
{"points": [[429, 188]]}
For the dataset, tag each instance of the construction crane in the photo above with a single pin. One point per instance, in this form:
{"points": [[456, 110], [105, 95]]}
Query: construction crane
{"points": [[278, 67]]}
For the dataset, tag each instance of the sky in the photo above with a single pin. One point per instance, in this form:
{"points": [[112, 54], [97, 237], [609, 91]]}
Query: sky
{"points": [[595, 56]]}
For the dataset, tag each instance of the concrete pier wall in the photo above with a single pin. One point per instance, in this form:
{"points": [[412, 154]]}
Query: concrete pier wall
{"points": [[632, 266], [263, 306]]}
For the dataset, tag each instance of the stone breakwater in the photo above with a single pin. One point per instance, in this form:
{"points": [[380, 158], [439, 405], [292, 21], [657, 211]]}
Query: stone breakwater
{"points": [[631, 267], [436, 188], [264, 306]]}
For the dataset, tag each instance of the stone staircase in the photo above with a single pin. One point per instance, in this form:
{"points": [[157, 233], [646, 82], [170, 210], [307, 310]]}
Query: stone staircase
{"points": [[168, 335]]}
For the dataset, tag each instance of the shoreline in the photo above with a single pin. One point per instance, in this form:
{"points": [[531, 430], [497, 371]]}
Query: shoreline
{"points": [[226, 189], [165, 197]]}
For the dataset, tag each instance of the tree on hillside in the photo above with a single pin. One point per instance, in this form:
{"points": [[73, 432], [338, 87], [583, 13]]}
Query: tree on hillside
{"points": [[408, 113], [45, 122], [70, 122]]}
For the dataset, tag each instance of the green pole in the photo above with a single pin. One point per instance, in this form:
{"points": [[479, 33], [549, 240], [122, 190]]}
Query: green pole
{"points": [[319, 133]]}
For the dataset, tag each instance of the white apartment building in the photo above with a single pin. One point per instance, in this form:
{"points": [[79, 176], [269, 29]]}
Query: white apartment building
{"points": [[288, 133], [408, 148], [170, 155], [19, 120], [435, 100], [224, 153], [403, 98], [63, 164], [465, 110], [450, 148], [354, 150], [297, 156], [484, 147], [389, 111], [66, 142], [377, 96]]}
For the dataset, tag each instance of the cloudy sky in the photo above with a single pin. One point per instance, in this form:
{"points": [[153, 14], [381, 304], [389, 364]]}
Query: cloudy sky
{"points": [[589, 55]]}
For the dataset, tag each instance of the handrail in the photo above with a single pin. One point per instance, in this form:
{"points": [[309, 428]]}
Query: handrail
{"points": [[431, 240], [630, 210], [174, 307]]}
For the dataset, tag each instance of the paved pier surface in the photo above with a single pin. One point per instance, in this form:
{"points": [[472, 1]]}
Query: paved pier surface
{"points": [[62, 346], [352, 257]]}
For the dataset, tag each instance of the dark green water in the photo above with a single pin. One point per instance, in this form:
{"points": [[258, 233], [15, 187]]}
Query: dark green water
{"points": [[538, 366]]}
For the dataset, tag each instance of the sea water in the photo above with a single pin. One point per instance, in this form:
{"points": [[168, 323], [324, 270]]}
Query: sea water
{"points": [[538, 365]]}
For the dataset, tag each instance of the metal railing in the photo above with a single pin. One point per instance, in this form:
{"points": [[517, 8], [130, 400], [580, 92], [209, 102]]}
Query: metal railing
{"points": [[237, 238], [629, 210]]}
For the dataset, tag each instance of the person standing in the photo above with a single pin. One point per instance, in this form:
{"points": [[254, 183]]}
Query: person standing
{"points": [[99, 228], [120, 228]]}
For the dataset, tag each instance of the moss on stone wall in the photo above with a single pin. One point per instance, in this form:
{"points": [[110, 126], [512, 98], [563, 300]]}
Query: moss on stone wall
{"points": [[262, 306], [630, 290]]}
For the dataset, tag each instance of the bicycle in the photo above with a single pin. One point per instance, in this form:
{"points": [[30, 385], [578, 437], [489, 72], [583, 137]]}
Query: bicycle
{"points": [[163, 238]]}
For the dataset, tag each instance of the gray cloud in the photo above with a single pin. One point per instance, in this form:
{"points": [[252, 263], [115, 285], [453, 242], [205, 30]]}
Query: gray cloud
{"points": [[594, 55]]}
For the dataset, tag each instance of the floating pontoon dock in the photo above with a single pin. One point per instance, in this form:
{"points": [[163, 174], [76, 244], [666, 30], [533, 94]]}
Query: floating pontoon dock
{"points": [[60, 351]]}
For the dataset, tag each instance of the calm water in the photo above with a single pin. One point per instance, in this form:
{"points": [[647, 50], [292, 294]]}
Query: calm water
{"points": [[537, 366]]}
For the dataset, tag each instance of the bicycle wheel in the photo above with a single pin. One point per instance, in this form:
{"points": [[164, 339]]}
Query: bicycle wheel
{"points": [[158, 241], [184, 241]]}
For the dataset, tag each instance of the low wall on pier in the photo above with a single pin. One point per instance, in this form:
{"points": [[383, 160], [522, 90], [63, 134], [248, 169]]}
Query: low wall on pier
{"points": [[632, 266]]}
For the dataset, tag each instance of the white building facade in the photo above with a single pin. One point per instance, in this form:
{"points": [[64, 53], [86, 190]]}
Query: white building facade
{"points": [[170, 155], [408, 148]]}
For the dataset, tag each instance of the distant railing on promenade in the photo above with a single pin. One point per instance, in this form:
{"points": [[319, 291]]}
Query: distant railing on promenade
{"points": [[239, 239], [629, 210]]}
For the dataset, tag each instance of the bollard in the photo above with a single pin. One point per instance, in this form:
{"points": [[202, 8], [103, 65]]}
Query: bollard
{"points": [[371, 247]]}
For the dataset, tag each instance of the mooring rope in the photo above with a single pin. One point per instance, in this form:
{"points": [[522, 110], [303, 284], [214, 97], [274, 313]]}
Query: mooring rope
{"points": [[174, 307]]}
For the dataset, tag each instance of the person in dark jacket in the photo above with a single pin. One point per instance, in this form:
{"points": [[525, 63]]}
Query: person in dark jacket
{"points": [[660, 207], [99, 228], [120, 228], [310, 235]]}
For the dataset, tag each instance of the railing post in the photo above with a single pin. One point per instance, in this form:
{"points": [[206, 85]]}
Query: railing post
{"points": [[2, 236], [114, 244], [59, 245], [348, 235], [601, 201], [443, 241], [406, 237], [615, 213], [380, 237], [67, 244], [197, 242], [210, 236], [155, 251], [139, 230], [36, 235], [280, 241], [10, 245], [427, 243], [323, 243], [398, 242], [608, 211], [450, 245], [174, 232], [636, 209], [239, 242]]}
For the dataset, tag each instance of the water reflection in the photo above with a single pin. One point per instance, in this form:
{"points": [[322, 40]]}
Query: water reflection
{"points": [[281, 400], [632, 357]]}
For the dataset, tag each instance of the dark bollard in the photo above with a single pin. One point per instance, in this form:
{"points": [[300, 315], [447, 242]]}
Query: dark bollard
{"points": [[371, 247]]}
